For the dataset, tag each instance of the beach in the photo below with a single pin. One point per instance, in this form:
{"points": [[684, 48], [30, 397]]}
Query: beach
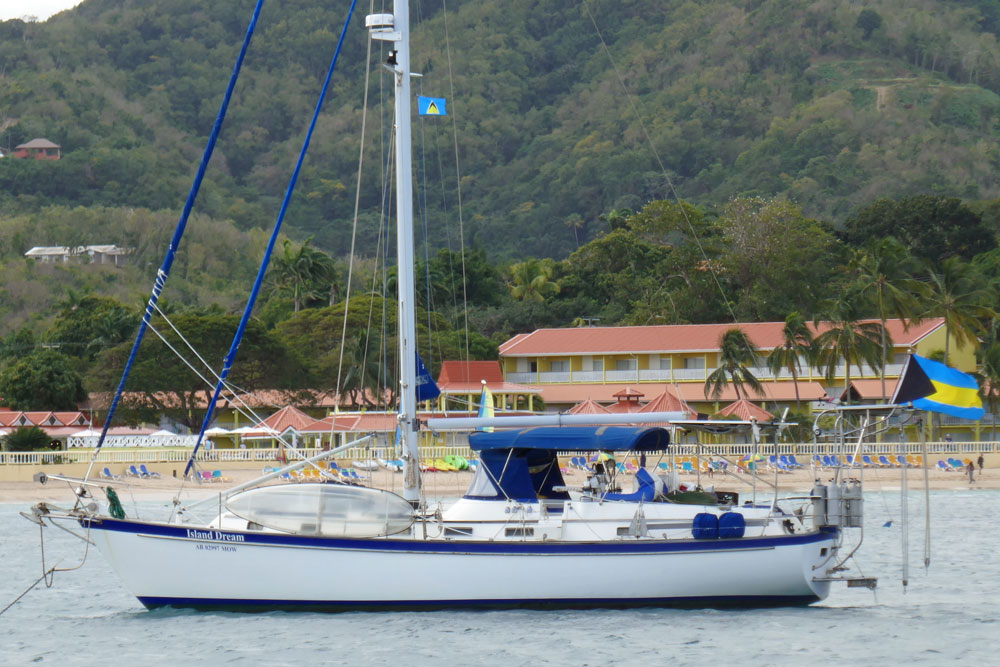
{"points": [[450, 485]]}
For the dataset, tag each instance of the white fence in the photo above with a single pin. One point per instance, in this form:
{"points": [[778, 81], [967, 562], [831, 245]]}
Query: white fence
{"points": [[174, 440], [147, 455]]}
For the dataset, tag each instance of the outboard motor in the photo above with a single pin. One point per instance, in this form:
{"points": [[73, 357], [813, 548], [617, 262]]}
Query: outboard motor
{"points": [[853, 503]]}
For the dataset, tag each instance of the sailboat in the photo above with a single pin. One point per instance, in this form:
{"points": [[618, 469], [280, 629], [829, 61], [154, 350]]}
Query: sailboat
{"points": [[519, 537]]}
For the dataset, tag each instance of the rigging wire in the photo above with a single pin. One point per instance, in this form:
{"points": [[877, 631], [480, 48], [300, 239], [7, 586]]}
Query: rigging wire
{"points": [[354, 228], [427, 258], [458, 176], [656, 156]]}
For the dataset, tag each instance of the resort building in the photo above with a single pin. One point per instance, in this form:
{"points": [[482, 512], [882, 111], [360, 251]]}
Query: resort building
{"points": [[57, 425], [570, 366], [94, 254]]}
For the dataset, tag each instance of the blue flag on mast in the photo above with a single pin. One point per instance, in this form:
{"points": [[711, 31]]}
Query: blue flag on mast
{"points": [[432, 106], [426, 386]]}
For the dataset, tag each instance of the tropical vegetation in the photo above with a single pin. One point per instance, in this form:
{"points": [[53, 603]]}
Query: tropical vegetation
{"points": [[833, 163]]}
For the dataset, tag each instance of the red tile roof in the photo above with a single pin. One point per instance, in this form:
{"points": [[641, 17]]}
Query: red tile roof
{"points": [[745, 410], [872, 389], [668, 402], [673, 338], [466, 377], [470, 371], [588, 407], [15, 418], [284, 419]]}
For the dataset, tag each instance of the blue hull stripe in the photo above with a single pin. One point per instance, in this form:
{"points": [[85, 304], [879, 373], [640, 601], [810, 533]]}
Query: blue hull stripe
{"points": [[245, 538], [713, 602]]}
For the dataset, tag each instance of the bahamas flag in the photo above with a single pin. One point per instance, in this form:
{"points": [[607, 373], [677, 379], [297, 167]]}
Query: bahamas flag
{"points": [[486, 407], [432, 106], [930, 385]]}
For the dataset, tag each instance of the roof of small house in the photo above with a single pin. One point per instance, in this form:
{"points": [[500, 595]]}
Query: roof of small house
{"points": [[39, 143]]}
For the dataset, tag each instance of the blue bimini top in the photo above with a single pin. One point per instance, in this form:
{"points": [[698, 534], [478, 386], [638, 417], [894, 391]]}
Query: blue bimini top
{"points": [[523, 464], [575, 439]]}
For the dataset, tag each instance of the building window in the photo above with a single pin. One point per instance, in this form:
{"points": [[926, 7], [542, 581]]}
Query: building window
{"points": [[532, 366], [694, 362], [599, 365], [559, 366], [665, 363], [625, 365]]}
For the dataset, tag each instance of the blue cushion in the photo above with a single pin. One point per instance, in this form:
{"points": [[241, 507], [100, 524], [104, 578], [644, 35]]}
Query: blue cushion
{"points": [[705, 526], [732, 524]]}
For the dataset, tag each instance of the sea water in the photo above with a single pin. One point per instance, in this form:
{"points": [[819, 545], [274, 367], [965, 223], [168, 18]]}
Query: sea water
{"points": [[948, 613]]}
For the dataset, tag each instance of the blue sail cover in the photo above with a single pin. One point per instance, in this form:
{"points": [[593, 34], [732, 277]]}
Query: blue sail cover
{"points": [[575, 439]]}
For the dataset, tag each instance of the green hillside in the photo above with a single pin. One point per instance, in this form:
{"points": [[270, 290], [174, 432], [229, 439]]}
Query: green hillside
{"points": [[796, 98]]}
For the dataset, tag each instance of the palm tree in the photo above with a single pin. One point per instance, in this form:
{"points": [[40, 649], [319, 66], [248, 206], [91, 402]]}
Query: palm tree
{"points": [[797, 342], [576, 223], [883, 273], [848, 339], [302, 272], [960, 295], [736, 352], [531, 280], [362, 380]]}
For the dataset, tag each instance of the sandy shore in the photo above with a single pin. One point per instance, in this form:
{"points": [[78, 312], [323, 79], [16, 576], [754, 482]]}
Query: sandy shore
{"points": [[441, 485]]}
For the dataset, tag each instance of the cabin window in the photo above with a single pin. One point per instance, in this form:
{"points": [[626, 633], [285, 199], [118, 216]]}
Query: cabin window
{"points": [[458, 531], [520, 532], [559, 366]]}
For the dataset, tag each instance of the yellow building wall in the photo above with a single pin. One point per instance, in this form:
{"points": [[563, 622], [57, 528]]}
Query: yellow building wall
{"points": [[963, 359]]}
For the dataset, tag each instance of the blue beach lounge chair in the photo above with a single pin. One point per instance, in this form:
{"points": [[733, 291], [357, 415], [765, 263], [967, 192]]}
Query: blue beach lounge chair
{"points": [[147, 473], [132, 472], [106, 474]]}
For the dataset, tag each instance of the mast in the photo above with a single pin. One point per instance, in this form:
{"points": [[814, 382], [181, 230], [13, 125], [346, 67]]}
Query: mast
{"points": [[395, 28]]}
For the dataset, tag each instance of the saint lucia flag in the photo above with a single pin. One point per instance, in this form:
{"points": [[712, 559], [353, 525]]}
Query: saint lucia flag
{"points": [[930, 385], [432, 106], [486, 407], [426, 386]]}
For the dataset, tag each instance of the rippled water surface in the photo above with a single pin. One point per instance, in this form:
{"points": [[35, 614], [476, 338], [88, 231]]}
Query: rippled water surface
{"points": [[948, 614]]}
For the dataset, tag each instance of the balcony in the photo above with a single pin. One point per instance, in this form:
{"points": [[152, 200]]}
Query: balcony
{"points": [[892, 371], [611, 377]]}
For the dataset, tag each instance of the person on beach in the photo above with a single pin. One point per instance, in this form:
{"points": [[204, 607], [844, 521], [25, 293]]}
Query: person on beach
{"points": [[971, 468], [980, 462]]}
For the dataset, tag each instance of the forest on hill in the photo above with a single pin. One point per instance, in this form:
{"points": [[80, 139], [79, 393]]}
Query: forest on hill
{"points": [[625, 162], [833, 104]]}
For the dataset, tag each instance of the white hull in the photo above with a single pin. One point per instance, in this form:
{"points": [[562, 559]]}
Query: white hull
{"points": [[167, 564]]}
